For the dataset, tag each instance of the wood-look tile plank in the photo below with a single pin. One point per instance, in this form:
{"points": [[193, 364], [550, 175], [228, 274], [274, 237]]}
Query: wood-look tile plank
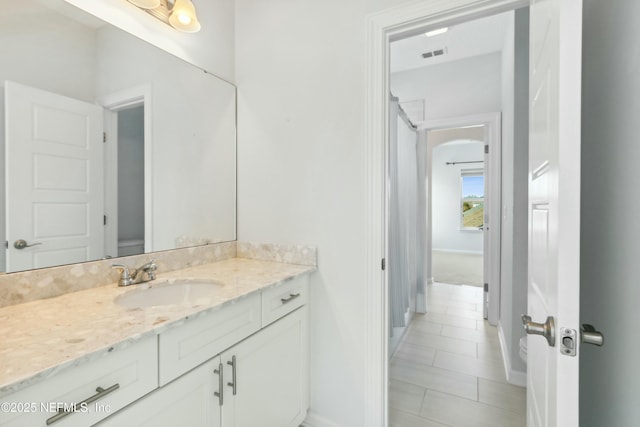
{"points": [[506, 396], [458, 412]]}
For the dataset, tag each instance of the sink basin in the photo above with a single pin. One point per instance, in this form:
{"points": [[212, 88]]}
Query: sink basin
{"points": [[182, 292]]}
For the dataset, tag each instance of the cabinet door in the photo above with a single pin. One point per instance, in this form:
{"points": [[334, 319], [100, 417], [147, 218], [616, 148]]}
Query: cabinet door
{"points": [[188, 401], [271, 376]]}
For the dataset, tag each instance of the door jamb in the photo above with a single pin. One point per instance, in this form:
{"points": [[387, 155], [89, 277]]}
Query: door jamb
{"points": [[112, 103]]}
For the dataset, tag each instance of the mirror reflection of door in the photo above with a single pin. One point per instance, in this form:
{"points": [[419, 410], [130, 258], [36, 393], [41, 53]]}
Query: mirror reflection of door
{"points": [[130, 181], [54, 179]]}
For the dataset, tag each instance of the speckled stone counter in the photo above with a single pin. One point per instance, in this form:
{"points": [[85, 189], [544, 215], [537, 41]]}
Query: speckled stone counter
{"points": [[43, 337]]}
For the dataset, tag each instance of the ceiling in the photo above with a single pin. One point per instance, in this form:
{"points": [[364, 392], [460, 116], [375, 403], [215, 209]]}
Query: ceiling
{"points": [[473, 38]]}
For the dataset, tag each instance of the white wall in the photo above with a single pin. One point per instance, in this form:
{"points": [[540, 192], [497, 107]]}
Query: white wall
{"points": [[513, 293], [39, 50], [446, 194], [300, 70], [212, 48], [610, 230], [452, 89]]}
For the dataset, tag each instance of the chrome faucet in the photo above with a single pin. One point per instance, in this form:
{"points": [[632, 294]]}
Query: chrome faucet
{"points": [[138, 275]]}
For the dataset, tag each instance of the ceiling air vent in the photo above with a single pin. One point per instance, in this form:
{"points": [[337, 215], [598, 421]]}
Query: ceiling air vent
{"points": [[434, 53]]}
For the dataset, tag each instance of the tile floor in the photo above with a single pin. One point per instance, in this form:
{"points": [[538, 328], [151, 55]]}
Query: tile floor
{"points": [[448, 369]]}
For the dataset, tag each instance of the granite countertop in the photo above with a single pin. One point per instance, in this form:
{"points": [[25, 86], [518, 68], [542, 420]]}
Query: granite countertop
{"points": [[43, 337]]}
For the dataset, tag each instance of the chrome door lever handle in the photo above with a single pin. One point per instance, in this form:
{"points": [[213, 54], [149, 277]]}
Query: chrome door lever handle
{"points": [[21, 244], [546, 329]]}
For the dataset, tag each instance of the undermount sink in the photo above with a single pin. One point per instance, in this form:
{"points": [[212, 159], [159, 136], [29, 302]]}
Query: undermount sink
{"points": [[181, 292]]}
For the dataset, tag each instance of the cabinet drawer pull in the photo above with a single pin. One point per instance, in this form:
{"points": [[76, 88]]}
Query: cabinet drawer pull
{"points": [[220, 392], [291, 298], [101, 392], [233, 383]]}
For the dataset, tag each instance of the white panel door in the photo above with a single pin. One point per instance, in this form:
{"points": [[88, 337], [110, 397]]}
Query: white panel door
{"points": [[554, 208], [54, 178]]}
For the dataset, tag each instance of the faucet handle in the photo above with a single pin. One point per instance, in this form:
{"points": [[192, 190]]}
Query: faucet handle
{"points": [[151, 269], [125, 277]]}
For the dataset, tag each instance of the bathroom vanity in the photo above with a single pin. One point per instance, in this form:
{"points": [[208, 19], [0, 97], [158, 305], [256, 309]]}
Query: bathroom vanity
{"points": [[235, 357]]}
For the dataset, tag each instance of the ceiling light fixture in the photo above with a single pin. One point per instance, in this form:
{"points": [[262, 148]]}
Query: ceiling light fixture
{"points": [[432, 33], [180, 14]]}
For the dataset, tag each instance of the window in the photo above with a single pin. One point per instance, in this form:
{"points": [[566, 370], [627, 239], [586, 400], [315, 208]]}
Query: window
{"points": [[472, 199]]}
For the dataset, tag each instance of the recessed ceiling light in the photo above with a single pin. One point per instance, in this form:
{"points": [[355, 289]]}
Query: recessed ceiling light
{"points": [[436, 32]]}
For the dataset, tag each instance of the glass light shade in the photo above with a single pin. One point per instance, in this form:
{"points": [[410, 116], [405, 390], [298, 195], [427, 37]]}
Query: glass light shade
{"points": [[183, 17], [146, 4]]}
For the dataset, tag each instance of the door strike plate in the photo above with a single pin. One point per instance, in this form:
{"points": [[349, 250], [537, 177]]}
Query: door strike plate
{"points": [[568, 341]]}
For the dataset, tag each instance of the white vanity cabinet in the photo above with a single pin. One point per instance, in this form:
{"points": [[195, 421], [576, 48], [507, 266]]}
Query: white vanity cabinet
{"points": [[252, 375], [264, 383]]}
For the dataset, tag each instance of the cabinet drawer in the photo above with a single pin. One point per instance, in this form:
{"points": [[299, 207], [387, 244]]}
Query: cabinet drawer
{"points": [[114, 381], [283, 299], [198, 340]]}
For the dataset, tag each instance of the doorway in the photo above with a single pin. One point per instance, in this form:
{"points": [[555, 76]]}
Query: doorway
{"points": [[130, 176], [458, 205], [128, 171], [394, 27]]}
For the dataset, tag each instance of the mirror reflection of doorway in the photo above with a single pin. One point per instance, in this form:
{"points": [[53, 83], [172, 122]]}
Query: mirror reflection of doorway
{"points": [[458, 212], [131, 181]]}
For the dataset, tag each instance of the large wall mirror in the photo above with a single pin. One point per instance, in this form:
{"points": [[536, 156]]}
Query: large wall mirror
{"points": [[110, 146]]}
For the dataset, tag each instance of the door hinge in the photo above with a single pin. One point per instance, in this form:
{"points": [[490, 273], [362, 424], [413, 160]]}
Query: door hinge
{"points": [[486, 149], [104, 220], [383, 264], [104, 137], [6, 244]]}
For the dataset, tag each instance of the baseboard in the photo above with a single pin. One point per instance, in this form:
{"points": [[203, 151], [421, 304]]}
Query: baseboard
{"points": [[514, 377], [315, 420], [455, 251]]}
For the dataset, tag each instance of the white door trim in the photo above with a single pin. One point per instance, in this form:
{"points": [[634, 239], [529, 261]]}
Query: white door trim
{"points": [[381, 28], [114, 102], [493, 138]]}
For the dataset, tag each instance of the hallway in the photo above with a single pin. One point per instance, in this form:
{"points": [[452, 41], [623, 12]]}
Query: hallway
{"points": [[448, 369]]}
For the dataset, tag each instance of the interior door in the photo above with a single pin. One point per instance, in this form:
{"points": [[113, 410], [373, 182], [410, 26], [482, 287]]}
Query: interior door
{"points": [[554, 212], [54, 179]]}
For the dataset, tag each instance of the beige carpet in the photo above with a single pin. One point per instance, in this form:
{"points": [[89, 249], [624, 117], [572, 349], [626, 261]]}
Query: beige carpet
{"points": [[455, 268]]}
